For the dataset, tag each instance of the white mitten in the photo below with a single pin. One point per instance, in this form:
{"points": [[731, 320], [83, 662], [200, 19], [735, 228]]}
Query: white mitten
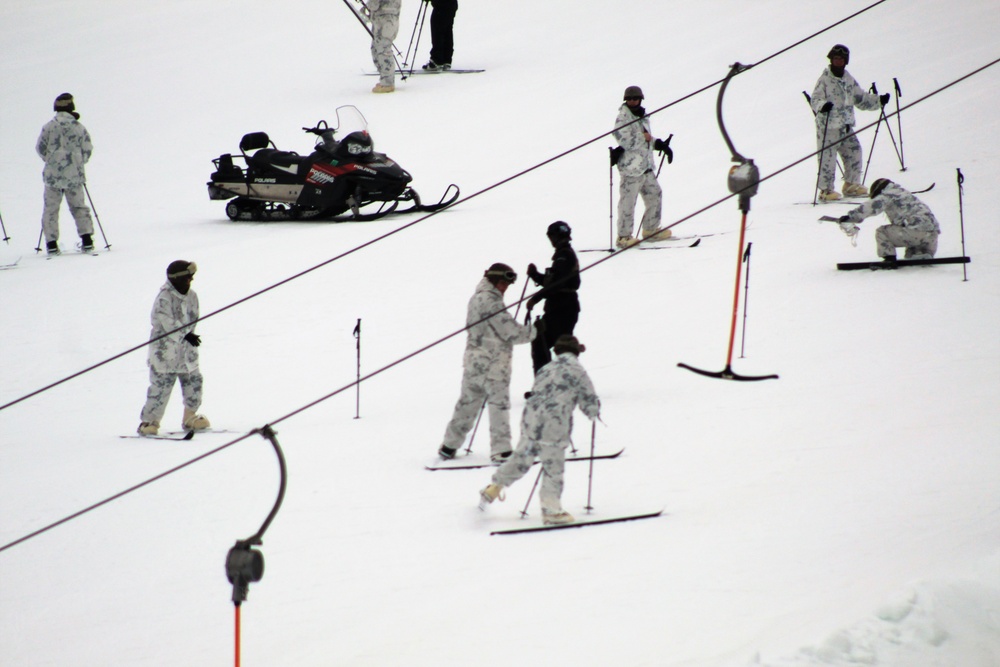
{"points": [[851, 230]]}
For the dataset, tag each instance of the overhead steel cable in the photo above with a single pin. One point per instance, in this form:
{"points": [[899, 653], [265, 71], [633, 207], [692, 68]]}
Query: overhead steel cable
{"points": [[462, 200], [437, 342]]}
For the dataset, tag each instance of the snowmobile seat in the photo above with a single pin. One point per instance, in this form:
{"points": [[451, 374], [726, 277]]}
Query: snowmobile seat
{"points": [[267, 158], [254, 141], [226, 170]]}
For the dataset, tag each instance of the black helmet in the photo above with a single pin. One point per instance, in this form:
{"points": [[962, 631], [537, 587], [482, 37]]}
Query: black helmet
{"points": [[840, 50], [64, 103], [633, 92], [181, 268], [500, 271], [558, 230], [878, 185]]}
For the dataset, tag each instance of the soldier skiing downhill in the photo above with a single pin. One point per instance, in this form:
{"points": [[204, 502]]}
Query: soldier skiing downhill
{"points": [[634, 158], [486, 373], [912, 225], [546, 428], [65, 146], [833, 101], [174, 357]]}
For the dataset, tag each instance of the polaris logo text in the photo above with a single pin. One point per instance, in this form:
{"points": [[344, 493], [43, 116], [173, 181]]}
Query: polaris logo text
{"points": [[265, 180]]}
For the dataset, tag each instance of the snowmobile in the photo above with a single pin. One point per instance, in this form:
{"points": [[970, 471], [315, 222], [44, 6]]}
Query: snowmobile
{"points": [[340, 180]]}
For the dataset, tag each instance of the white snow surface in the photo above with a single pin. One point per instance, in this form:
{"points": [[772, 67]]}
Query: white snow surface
{"points": [[847, 513]]}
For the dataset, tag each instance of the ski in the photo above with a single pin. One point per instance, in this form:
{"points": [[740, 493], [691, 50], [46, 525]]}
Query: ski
{"points": [[11, 265], [578, 524], [176, 435], [407, 72], [876, 266], [652, 245], [455, 464], [856, 200]]}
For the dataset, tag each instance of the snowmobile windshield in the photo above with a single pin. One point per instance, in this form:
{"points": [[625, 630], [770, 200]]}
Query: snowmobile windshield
{"points": [[349, 120]]}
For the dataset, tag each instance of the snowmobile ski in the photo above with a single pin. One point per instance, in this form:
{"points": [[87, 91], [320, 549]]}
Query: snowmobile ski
{"points": [[578, 524], [876, 266], [456, 463]]}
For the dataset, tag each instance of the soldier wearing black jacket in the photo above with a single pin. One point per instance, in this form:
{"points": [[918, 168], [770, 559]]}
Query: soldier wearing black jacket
{"points": [[559, 284]]}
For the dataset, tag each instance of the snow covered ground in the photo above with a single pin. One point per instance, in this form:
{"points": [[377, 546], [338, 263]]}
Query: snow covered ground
{"points": [[847, 513]]}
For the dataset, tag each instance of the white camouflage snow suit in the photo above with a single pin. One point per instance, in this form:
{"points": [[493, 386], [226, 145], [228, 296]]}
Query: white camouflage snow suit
{"points": [[636, 167], [845, 93], [487, 366], [384, 15], [171, 358], [547, 424], [65, 146], [912, 225]]}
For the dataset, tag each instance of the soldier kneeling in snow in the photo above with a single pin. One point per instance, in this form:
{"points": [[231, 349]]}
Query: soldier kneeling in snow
{"points": [[912, 225], [546, 426]]}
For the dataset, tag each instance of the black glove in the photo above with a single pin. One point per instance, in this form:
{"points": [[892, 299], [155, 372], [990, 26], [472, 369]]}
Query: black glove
{"points": [[193, 339], [844, 218], [533, 301], [664, 147], [616, 154], [826, 108], [884, 99]]}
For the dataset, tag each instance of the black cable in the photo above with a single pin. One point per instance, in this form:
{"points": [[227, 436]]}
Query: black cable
{"points": [[417, 221], [459, 331]]}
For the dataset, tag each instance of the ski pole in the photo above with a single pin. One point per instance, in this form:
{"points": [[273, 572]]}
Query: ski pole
{"points": [[38, 246], [899, 123], [663, 155], [961, 219], [888, 128], [809, 101], [524, 512], [871, 151], [746, 298], [611, 199], [819, 170], [590, 476], [107, 246], [357, 386], [4, 228], [415, 36]]}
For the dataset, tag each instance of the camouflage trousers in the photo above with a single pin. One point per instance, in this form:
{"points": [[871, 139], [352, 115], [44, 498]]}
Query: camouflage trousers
{"points": [[890, 237], [553, 458], [652, 198], [385, 27], [849, 150], [77, 202], [475, 390], [160, 386]]}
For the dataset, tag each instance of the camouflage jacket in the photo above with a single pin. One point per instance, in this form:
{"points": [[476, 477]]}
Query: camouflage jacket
{"points": [[559, 387], [65, 146], [172, 354], [489, 347], [901, 207], [638, 156], [845, 93]]}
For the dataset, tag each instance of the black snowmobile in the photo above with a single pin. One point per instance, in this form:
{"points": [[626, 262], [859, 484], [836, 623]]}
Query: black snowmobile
{"points": [[335, 182]]}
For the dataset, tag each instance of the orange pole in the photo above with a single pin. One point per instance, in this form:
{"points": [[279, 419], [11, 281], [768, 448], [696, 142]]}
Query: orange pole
{"points": [[736, 291], [237, 636]]}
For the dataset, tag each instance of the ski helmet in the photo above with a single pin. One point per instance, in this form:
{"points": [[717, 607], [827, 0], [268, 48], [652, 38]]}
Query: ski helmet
{"points": [[558, 230], [500, 271], [840, 50], [181, 268], [878, 185], [568, 343], [634, 91], [64, 103]]}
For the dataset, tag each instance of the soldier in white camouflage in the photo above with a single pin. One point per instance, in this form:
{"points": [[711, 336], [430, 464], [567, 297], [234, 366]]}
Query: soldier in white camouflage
{"points": [[384, 16], [546, 428], [912, 225], [174, 356], [833, 101], [65, 146], [636, 170], [489, 350]]}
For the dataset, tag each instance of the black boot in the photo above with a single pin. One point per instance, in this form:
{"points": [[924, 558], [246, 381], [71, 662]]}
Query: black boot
{"points": [[86, 242], [52, 248]]}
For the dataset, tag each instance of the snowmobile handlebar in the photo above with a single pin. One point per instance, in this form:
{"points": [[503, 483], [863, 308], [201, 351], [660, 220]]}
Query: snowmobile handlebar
{"points": [[320, 128]]}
